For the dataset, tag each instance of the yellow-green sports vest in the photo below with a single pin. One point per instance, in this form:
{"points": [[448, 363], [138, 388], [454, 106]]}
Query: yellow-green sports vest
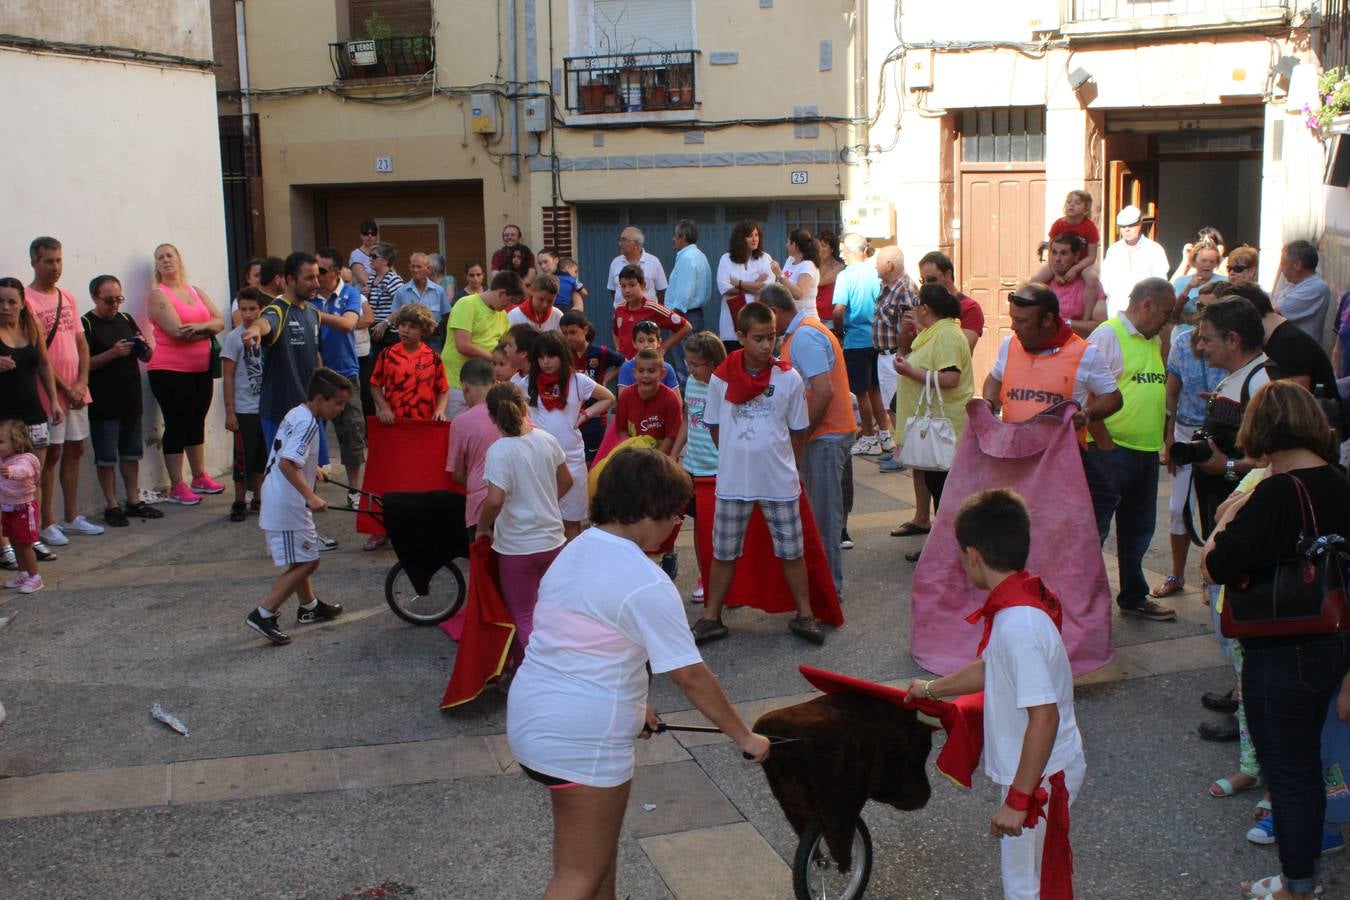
{"points": [[1143, 385]]}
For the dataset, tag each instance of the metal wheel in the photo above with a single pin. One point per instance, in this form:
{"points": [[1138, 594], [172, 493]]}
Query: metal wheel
{"points": [[815, 874], [441, 601]]}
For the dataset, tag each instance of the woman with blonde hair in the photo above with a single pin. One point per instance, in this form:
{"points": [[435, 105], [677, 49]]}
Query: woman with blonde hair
{"points": [[184, 322], [1242, 264]]}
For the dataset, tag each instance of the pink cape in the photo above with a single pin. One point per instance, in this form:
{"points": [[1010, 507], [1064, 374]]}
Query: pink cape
{"points": [[408, 455], [1040, 460]]}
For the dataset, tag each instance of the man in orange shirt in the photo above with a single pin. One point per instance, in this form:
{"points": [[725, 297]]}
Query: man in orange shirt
{"points": [[814, 351]]}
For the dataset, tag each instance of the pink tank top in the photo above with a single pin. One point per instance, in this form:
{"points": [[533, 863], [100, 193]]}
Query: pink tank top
{"points": [[1070, 298], [173, 354]]}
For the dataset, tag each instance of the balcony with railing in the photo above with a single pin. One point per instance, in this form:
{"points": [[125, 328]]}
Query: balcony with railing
{"points": [[1108, 18], [384, 57], [624, 83]]}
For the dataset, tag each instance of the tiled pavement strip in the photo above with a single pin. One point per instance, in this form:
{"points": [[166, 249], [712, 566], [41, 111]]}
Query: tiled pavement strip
{"points": [[691, 815]]}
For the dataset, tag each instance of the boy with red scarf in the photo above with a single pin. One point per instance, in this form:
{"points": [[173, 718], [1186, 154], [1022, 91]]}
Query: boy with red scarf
{"points": [[538, 309], [1030, 732], [756, 414]]}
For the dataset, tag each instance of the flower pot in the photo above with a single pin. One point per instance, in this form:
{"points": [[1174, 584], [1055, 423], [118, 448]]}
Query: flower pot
{"points": [[593, 96], [657, 97], [682, 97]]}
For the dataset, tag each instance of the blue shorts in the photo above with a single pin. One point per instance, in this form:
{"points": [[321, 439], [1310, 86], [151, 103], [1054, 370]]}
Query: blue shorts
{"points": [[115, 439], [270, 427]]}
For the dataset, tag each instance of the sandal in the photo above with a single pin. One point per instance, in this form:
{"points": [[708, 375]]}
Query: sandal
{"points": [[909, 529], [1226, 788], [1269, 887], [708, 630], [1261, 810], [1171, 585], [913, 557]]}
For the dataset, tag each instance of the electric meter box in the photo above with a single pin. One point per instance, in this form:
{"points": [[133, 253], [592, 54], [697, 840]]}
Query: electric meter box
{"points": [[483, 113], [536, 114], [870, 218]]}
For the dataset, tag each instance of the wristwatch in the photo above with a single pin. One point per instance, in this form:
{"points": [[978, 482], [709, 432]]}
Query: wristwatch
{"points": [[1230, 470]]}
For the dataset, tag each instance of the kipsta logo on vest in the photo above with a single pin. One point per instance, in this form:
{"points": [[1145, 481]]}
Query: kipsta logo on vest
{"points": [[1150, 378]]}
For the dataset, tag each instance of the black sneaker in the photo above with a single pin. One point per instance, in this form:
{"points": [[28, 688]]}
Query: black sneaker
{"points": [[321, 613], [845, 542], [42, 552], [267, 627], [238, 511], [115, 516], [670, 564], [142, 510]]}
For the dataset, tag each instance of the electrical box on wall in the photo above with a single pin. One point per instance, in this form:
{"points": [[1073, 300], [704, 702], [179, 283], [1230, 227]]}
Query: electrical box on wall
{"points": [[483, 113], [536, 115], [919, 70], [870, 218]]}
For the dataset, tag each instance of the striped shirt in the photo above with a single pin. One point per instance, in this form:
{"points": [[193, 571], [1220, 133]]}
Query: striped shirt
{"points": [[700, 453], [382, 294]]}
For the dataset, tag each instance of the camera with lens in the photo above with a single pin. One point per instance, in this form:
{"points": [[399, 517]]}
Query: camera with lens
{"points": [[1196, 450]]}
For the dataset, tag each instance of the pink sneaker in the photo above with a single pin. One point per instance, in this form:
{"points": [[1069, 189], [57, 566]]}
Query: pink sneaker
{"points": [[31, 585], [181, 493], [205, 484], [16, 582]]}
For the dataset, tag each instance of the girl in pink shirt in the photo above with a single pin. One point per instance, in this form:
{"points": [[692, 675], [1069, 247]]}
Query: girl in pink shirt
{"points": [[19, 470]]}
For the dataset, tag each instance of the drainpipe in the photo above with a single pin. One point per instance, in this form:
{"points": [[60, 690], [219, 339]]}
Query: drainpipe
{"points": [[511, 76], [860, 91], [241, 40]]}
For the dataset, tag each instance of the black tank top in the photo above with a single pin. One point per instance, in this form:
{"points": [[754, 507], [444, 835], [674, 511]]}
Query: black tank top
{"points": [[19, 386]]}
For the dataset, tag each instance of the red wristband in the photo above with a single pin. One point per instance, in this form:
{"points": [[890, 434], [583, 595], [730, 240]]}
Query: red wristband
{"points": [[1018, 800]]}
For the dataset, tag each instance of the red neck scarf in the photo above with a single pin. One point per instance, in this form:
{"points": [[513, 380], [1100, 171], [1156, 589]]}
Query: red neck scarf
{"points": [[550, 393], [1018, 589], [742, 387], [1061, 337], [527, 310]]}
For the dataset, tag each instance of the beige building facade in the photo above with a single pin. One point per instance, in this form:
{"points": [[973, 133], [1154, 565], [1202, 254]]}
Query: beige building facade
{"points": [[956, 126]]}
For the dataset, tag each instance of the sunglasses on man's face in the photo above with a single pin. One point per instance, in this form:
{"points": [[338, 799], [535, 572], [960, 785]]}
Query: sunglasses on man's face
{"points": [[370, 234], [113, 299], [1017, 300], [1238, 269]]}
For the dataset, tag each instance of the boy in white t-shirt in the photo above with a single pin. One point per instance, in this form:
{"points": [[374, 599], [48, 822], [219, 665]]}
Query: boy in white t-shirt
{"points": [[289, 504], [1030, 732], [538, 309], [756, 413]]}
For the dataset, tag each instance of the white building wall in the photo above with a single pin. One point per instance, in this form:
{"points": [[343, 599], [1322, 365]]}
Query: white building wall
{"points": [[113, 158]]}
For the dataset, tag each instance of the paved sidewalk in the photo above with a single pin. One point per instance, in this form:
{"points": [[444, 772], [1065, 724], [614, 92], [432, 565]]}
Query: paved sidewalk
{"points": [[331, 749]]}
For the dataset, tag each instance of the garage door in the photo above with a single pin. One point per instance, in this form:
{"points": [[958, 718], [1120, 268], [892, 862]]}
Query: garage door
{"points": [[598, 228]]}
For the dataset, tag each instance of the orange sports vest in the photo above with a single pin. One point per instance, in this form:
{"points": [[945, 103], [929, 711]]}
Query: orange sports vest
{"points": [[1032, 384], [839, 415]]}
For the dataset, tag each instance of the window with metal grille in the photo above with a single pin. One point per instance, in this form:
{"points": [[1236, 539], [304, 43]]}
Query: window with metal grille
{"points": [[1010, 134]]}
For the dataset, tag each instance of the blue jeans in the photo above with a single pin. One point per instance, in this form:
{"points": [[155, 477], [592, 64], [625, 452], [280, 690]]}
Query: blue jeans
{"points": [[1124, 486], [1286, 690], [675, 355], [822, 474]]}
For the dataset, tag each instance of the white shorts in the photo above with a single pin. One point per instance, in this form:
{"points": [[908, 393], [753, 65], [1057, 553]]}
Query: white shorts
{"points": [[291, 547], [73, 428], [886, 377], [1181, 484], [575, 505]]}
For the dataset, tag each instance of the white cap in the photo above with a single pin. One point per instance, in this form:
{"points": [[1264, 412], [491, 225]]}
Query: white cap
{"points": [[1130, 215]]}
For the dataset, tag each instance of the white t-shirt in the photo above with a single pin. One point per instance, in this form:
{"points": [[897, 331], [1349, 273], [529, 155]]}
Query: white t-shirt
{"points": [[1025, 665], [754, 440], [652, 271], [1126, 266], [283, 507], [727, 271], [793, 272], [526, 468], [1231, 386], [579, 699], [554, 323], [562, 423], [1092, 377]]}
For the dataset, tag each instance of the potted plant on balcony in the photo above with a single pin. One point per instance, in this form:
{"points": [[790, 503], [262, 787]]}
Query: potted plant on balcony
{"points": [[1333, 89], [594, 93], [421, 53], [378, 30], [681, 78]]}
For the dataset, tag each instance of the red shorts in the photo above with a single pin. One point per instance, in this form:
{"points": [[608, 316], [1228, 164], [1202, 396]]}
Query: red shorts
{"points": [[19, 522]]}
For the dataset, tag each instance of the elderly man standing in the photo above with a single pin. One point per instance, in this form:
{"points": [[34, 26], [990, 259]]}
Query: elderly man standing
{"points": [[632, 253], [1122, 472], [1303, 297], [856, 290], [812, 349], [1130, 260], [423, 289], [690, 287]]}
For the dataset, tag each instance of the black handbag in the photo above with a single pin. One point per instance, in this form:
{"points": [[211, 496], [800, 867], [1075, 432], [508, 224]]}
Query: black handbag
{"points": [[1302, 595]]}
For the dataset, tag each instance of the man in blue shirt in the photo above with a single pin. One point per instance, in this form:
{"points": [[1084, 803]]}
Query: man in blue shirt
{"points": [[855, 302], [688, 288], [422, 289], [342, 310]]}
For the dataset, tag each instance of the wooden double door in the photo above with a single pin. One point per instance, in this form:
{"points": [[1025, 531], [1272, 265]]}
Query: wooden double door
{"points": [[1003, 221]]}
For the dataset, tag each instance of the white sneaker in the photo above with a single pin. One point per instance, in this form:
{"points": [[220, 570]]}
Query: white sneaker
{"points": [[16, 582], [2, 713], [866, 446], [80, 525], [887, 442], [31, 585], [152, 497], [53, 535]]}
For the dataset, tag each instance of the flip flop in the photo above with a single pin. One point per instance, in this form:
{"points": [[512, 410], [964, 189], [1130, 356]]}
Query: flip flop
{"points": [[1260, 810], [1269, 887], [909, 529], [1226, 788], [1171, 585]]}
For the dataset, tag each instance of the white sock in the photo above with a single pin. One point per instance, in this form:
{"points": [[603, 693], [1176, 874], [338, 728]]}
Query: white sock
{"points": [[313, 604], [266, 613]]}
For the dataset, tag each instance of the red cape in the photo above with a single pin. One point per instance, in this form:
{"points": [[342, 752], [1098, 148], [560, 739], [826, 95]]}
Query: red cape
{"points": [[962, 718], [487, 630], [759, 581], [405, 456]]}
